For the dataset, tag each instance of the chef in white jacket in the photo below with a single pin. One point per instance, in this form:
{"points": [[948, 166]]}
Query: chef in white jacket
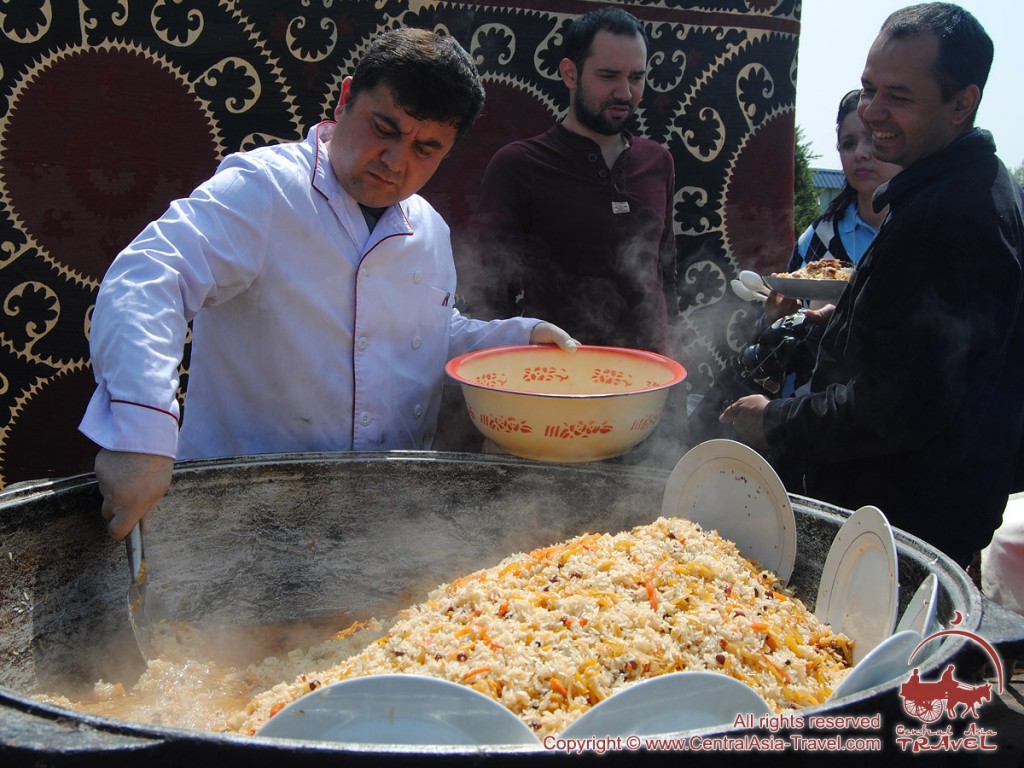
{"points": [[318, 282]]}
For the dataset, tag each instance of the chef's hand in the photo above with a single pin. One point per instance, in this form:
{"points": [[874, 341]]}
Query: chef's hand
{"points": [[747, 417], [131, 484], [548, 333]]}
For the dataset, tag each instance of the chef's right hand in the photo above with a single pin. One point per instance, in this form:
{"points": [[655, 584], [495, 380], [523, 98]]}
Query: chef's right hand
{"points": [[131, 484], [549, 333]]}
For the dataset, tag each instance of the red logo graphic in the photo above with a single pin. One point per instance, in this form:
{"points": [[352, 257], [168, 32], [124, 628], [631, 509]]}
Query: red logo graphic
{"points": [[927, 700]]}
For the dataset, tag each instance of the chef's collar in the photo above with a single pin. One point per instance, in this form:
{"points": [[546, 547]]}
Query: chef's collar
{"points": [[371, 215]]}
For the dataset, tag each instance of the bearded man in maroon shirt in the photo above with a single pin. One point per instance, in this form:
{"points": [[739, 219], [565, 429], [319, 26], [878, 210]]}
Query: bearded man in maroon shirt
{"points": [[576, 224]]}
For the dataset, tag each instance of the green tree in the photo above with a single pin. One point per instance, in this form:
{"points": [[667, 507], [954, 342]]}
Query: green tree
{"points": [[805, 199], [1018, 173]]}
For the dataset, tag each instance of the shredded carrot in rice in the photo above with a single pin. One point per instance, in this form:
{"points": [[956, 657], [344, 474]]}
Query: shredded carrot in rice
{"points": [[554, 631]]}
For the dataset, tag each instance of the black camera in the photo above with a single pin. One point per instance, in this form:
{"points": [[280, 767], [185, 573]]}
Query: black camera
{"points": [[787, 346], [785, 349]]}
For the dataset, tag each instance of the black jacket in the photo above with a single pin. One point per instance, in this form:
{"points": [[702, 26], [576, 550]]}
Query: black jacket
{"points": [[916, 404]]}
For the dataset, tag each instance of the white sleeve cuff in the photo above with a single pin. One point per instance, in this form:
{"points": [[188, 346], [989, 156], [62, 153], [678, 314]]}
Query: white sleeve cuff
{"points": [[132, 427]]}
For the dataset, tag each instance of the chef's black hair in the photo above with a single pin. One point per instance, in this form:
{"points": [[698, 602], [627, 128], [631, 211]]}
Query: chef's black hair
{"points": [[430, 76]]}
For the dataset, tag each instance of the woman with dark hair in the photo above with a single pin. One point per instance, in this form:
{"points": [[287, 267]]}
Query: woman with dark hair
{"points": [[781, 355], [849, 223]]}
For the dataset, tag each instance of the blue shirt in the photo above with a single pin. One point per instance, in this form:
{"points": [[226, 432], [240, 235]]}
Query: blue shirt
{"points": [[855, 233]]}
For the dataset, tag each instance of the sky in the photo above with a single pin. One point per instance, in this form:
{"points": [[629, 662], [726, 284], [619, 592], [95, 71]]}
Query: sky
{"points": [[834, 41]]}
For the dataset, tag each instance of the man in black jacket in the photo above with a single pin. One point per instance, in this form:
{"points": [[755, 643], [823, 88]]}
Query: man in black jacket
{"points": [[916, 404]]}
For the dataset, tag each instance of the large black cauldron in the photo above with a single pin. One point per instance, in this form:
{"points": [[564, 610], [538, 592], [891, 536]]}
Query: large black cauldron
{"points": [[279, 538]]}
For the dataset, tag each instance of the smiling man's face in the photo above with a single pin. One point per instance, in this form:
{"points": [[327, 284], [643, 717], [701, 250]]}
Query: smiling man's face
{"points": [[380, 153], [901, 100]]}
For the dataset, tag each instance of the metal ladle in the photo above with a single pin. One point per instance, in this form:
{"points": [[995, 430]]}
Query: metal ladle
{"points": [[138, 610]]}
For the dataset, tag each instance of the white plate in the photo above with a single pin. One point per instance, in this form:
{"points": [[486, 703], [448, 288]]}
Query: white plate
{"points": [[399, 709], [680, 701], [805, 289], [728, 487], [859, 590], [920, 612], [889, 660]]}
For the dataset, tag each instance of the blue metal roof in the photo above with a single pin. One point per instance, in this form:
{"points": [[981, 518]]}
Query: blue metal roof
{"points": [[826, 178]]}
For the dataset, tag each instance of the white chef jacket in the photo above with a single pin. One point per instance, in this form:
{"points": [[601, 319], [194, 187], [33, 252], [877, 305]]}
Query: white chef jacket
{"points": [[310, 333]]}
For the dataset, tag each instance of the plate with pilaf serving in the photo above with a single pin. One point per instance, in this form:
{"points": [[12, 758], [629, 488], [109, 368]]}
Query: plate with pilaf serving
{"points": [[821, 279], [726, 486], [858, 594], [806, 290]]}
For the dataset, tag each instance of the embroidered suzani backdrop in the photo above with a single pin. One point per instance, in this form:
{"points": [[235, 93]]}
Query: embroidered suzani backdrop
{"points": [[109, 109]]}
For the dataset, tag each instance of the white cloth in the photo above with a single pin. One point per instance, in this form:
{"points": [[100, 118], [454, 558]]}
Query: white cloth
{"points": [[1002, 561], [310, 333]]}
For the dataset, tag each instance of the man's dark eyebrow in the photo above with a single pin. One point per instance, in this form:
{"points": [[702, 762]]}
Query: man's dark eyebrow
{"points": [[390, 121], [613, 71], [430, 144], [393, 125]]}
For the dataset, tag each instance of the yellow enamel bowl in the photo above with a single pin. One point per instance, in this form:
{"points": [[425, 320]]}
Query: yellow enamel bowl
{"points": [[540, 402]]}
